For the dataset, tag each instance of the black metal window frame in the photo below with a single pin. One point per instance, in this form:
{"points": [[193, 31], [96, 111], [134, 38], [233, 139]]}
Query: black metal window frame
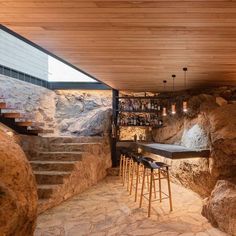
{"points": [[51, 85]]}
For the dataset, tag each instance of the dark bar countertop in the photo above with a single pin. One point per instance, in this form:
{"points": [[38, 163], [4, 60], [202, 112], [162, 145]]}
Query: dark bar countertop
{"points": [[167, 150]]}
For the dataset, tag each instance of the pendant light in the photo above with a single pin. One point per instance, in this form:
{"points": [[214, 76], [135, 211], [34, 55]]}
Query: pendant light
{"points": [[164, 113], [173, 105], [185, 103]]}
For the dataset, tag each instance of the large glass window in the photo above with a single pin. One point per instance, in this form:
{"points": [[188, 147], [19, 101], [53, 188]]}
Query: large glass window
{"points": [[21, 56]]}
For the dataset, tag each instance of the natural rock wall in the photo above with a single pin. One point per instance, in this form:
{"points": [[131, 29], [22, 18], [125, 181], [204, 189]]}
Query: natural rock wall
{"points": [[67, 112], [220, 207], [209, 123], [18, 194], [85, 113], [37, 102], [206, 125]]}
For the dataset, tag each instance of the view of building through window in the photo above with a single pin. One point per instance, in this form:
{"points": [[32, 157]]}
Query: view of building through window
{"points": [[18, 55]]}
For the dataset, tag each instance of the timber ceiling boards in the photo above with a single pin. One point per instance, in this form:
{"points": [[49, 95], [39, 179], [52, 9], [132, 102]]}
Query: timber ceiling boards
{"points": [[134, 45]]}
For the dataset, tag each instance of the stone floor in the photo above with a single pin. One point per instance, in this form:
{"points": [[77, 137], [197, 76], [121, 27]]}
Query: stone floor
{"points": [[107, 209]]}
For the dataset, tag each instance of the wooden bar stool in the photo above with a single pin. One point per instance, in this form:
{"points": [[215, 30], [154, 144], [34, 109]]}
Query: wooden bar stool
{"points": [[136, 159], [137, 172], [161, 170], [123, 162]]}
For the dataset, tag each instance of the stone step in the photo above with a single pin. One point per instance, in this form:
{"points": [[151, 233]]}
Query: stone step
{"points": [[51, 177], [45, 191], [58, 156], [87, 147], [81, 139], [53, 165]]}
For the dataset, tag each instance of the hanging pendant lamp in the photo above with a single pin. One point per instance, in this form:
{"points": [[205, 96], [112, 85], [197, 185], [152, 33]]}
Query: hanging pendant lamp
{"points": [[173, 105], [164, 113], [185, 103]]}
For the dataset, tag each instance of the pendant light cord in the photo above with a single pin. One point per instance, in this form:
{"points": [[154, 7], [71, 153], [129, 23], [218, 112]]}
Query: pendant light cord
{"points": [[185, 77], [173, 76]]}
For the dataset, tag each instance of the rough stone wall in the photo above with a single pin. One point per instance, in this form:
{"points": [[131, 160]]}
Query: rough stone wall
{"points": [[18, 191], [86, 113], [67, 112], [210, 123], [220, 207], [36, 101]]}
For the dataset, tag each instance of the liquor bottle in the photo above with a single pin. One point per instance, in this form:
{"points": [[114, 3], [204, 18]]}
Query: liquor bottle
{"points": [[149, 105], [135, 121], [155, 106], [143, 106], [152, 104]]}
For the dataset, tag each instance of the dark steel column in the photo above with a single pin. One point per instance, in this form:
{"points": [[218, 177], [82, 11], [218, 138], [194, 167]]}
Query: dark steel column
{"points": [[115, 94]]}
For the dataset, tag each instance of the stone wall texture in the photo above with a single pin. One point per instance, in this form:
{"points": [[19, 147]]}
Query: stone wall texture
{"points": [[209, 123], [86, 113], [67, 112], [206, 125], [37, 102], [90, 157], [220, 207], [18, 191]]}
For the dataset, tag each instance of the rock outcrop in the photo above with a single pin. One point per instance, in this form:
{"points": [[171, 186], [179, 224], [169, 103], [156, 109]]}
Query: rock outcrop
{"points": [[66, 112], [37, 102], [223, 141], [18, 193], [209, 123], [84, 113], [204, 126], [220, 207]]}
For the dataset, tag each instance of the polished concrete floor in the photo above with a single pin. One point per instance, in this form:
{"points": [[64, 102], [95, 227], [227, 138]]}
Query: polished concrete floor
{"points": [[107, 209]]}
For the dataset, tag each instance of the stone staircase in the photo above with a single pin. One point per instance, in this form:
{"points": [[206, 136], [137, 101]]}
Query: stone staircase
{"points": [[59, 165]]}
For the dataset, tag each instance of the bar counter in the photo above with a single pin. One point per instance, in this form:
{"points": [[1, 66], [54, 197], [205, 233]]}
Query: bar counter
{"points": [[166, 150]]}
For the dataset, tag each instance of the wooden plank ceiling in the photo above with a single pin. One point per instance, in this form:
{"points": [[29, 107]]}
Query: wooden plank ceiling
{"points": [[134, 45]]}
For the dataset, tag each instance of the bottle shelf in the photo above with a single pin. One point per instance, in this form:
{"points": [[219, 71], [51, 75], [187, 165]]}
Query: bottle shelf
{"points": [[148, 97], [140, 126], [139, 111]]}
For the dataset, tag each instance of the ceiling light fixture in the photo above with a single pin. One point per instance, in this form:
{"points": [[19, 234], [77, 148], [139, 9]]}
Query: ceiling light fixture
{"points": [[164, 113], [185, 103], [173, 105]]}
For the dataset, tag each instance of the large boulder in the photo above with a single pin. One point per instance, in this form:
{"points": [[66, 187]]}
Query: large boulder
{"points": [[83, 112], [223, 141], [18, 191], [93, 123], [220, 207]]}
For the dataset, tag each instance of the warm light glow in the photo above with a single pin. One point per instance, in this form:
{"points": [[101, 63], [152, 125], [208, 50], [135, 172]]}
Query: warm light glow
{"points": [[185, 106], [164, 111], [173, 109], [10, 133]]}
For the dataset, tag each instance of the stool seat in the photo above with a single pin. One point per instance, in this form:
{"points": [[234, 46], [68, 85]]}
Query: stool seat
{"points": [[124, 151], [161, 164]]}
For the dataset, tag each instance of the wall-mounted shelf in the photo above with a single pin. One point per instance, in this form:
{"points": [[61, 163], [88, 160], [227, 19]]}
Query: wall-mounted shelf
{"points": [[144, 97], [139, 111], [140, 126]]}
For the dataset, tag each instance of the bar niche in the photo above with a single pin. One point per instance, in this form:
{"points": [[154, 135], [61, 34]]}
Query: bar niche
{"points": [[188, 131]]}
